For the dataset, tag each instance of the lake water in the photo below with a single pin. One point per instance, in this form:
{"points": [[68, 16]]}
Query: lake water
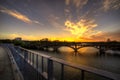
{"points": [[88, 56]]}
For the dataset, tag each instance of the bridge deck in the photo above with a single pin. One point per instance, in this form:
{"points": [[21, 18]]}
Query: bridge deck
{"points": [[6, 72]]}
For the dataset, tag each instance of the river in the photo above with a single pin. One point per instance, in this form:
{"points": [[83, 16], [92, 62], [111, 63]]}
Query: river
{"points": [[87, 56]]}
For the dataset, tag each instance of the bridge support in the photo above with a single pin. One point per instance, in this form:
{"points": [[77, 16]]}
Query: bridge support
{"points": [[101, 51], [76, 50], [55, 49]]}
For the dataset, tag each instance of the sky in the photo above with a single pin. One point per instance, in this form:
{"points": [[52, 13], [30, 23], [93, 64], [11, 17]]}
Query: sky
{"points": [[64, 20]]}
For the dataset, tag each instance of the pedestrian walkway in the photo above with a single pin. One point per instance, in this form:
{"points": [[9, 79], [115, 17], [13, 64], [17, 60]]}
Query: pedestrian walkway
{"points": [[5, 66]]}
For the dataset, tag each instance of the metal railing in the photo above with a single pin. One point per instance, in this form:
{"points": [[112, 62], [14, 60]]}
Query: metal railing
{"points": [[35, 59]]}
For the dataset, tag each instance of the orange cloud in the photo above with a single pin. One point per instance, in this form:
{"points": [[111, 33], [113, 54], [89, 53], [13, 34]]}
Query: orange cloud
{"points": [[18, 15], [83, 29]]}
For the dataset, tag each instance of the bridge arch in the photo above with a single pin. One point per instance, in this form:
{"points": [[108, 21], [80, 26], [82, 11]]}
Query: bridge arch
{"points": [[66, 47], [88, 46], [74, 47], [56, 48]]}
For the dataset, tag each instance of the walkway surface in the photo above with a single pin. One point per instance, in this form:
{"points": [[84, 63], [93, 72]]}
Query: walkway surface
{"points": [[5, 66]]}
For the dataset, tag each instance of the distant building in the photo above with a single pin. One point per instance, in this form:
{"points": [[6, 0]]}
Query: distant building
{"points": [[45, 39], [18, 38]]}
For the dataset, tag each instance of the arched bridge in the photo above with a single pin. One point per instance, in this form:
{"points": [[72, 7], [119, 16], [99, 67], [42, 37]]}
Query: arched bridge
{"points": [[77, 45]]}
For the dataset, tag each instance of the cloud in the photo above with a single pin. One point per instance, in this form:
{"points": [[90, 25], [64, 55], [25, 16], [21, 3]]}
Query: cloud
{"points": [[23, 36], [83, 28], [103, 36], [67, 10], [80, 3], [77, 3], [84, 31], [110, 4], [17, 15], [84, 24], [37, 22], [113, 35], [67, 2], [54, 21]]}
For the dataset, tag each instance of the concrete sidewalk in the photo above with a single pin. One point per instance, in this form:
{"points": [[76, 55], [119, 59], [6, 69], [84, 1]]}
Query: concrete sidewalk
{"points": [[5, 66]]}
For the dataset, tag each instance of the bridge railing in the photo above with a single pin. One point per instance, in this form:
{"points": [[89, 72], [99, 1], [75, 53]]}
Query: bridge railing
{"points": [[40, 61]]}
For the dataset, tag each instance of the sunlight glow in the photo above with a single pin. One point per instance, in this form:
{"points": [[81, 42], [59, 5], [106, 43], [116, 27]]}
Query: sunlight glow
{"points": [[82, 29]]}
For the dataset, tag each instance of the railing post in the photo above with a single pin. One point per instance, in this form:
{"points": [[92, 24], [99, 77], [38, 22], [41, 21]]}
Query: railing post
{"points": [[82, 74], [37, 62], [33, 60], [50, 69], [24, 53], [30, 57], [42, 65], [37, 73], [62, 71]]}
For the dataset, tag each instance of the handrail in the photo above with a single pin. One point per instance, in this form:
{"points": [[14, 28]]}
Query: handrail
{"points": [[87, 69], [16, 72], [33, 52], [99, 72]]}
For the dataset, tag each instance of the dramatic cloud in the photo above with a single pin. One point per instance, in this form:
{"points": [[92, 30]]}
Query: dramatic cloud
{"points": [[83, 28], [77, 5], [18, 15], [111, 4]]}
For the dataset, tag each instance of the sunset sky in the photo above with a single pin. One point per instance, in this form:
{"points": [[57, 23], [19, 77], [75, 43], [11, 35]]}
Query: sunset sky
{"points": [[69, 20]]}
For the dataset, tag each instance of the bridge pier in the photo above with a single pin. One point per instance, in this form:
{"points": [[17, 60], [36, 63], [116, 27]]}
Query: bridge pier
{"points": [[76, 50], [55, 49], [101, 50]]}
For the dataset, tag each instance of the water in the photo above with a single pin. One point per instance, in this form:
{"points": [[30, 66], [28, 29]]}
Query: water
{"points": [[86, 56]]}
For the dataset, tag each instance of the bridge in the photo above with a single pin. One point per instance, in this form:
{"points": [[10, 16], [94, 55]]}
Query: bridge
{"points": [[77, 45], [30, 65]]}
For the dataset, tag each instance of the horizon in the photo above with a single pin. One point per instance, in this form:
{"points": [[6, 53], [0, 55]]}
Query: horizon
{"points": [[58, 40]]}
